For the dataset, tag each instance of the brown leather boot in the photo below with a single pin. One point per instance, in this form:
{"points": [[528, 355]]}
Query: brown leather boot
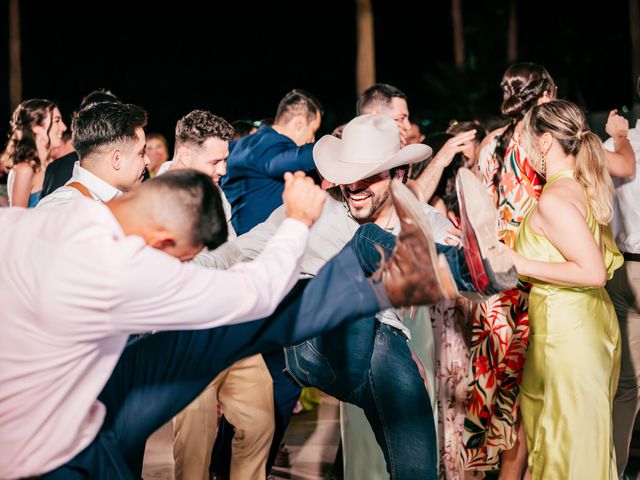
{"points": [[491, 268], [411, 275]]}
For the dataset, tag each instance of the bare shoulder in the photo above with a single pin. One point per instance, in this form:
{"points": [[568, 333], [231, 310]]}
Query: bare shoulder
{"points": [[23, 171], [23, 168], [562, 197]]}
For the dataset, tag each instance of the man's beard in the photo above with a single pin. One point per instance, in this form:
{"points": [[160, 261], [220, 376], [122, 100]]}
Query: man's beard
{"points": [[374, 203]]}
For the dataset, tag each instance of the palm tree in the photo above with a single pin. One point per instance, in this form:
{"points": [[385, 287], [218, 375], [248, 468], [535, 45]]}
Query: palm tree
{"points": [[365, 64], [15, 72], [458, 34], [634, 28], [512, 39]]}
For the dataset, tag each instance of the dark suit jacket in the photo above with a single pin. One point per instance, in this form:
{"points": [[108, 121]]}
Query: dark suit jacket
{"points": [[255, 169], [58, 173]]}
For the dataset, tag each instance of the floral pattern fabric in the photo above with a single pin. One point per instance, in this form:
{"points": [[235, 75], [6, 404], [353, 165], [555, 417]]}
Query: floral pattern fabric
{"points": [[501, 324], [451, 322]]}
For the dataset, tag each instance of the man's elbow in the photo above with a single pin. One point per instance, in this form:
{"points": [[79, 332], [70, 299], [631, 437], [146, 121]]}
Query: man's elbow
{"points": [[622, 165], [627, 169]]}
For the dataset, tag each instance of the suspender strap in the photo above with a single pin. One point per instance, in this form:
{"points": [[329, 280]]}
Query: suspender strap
{"points": [[81, 188]]}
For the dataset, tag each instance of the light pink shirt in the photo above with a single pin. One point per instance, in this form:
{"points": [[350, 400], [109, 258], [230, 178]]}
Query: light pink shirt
{"points": [[72, 288]]}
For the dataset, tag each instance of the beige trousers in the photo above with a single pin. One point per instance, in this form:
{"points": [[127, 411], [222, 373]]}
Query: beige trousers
{"points": [[245, 391], [624, 290]]}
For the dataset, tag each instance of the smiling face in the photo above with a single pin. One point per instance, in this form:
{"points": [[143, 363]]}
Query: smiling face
{"points": [[367, 199], [157, 153], [131, 162], [57, 128], [399, 111], [51, 129], [210, 158]]}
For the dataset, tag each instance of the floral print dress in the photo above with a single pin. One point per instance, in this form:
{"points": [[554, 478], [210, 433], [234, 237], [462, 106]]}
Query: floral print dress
{"points": [[501, 324], [451, 321]]}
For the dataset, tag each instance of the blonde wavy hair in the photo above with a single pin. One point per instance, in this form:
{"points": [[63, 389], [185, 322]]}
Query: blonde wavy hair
{"points": [[566, 122]]}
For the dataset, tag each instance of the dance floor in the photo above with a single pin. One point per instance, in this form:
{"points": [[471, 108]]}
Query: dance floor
{"points": [[312, 440]]}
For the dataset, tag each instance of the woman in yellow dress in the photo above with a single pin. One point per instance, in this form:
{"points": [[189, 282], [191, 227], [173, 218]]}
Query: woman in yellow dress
{"points": [[566, 251]]}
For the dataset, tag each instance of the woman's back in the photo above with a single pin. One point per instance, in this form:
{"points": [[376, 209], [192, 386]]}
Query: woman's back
{"points": [[532, 244], [518, 189], [572, 363]]}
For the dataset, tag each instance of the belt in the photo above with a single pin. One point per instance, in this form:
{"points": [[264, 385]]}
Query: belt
{"points": [[631, 257]]}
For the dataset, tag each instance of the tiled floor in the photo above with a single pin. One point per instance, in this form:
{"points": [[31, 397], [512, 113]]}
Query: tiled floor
{"points": [[312, 439]]}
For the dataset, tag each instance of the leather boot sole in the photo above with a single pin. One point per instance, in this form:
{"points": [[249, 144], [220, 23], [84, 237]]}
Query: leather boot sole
{"points": [[405, 200], [491, 268]]}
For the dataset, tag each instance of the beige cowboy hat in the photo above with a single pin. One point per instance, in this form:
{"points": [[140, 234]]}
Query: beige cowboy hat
{"points": [[370, 144]]}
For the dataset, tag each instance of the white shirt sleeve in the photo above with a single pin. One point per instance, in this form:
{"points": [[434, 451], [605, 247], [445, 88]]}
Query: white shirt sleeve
{"points": [[439, 224], [245, 247], [156, 292]]}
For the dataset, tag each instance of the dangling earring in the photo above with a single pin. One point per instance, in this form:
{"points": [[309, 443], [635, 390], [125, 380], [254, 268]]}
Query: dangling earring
{"points": [[543, 164]]}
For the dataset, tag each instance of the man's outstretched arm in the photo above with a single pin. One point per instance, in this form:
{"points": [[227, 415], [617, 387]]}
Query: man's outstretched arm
{"points": [[156, 292]]}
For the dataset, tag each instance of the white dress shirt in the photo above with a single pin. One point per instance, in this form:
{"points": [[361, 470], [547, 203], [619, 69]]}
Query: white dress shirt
{"points": [[73, 288], [99, 189], [626, 218], [328, 236], [225, 203]]}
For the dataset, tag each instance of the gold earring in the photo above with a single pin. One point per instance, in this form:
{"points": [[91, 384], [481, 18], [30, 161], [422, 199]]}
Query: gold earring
{"points": [[543, 163]]}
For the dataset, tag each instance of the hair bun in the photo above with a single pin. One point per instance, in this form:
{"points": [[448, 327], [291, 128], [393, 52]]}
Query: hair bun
{"points": [[513, 107]]}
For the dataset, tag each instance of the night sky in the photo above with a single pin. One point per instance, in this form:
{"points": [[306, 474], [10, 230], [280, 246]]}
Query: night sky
{"points": [[238, 59]]}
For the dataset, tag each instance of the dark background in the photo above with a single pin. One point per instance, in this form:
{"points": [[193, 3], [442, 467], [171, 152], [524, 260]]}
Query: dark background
{"points": [[238, 59]]}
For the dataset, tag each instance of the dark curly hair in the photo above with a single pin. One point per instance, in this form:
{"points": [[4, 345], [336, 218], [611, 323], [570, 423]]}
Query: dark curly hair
{"points": [[199, 125], [21, 146], [523, 84]]}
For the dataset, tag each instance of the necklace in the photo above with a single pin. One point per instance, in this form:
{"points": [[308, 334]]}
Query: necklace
{"points": [[386, 227], [353, 224]]}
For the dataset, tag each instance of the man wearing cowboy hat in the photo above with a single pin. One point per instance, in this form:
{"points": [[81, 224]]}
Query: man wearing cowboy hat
{"points": [[369, 363]]}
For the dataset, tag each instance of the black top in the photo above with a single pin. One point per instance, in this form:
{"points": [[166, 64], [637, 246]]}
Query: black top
{"points": [[58, 173]]}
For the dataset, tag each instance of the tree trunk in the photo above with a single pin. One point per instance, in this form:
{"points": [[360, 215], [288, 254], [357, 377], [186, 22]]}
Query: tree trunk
{"points": [[512, 39], [634, 28], [458, 34], [366, 64], [15, 71]]}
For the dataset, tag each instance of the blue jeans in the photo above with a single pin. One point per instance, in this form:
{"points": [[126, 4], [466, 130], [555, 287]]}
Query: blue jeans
{"points": [[158, 375], [369, 235], [369, 364], [285, 392]]}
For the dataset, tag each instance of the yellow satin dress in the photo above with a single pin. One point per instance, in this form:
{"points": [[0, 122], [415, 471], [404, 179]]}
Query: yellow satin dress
{"points": [[572, 367]]}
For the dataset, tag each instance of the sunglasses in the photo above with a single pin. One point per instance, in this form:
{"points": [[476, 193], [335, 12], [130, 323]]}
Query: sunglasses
{"points": [[376, 178]]}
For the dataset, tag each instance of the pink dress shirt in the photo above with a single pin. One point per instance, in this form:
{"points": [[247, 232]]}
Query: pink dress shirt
{"points": [[72, 288]]}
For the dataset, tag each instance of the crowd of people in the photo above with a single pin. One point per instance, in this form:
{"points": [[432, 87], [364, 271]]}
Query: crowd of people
{"points": [[470, 296]]}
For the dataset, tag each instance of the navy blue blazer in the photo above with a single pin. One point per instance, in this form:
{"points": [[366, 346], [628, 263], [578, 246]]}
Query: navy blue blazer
{"points": [[255, 169]]}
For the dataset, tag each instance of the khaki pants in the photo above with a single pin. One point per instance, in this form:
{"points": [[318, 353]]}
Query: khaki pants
{"points": [[624, 290], [245, 391]]}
